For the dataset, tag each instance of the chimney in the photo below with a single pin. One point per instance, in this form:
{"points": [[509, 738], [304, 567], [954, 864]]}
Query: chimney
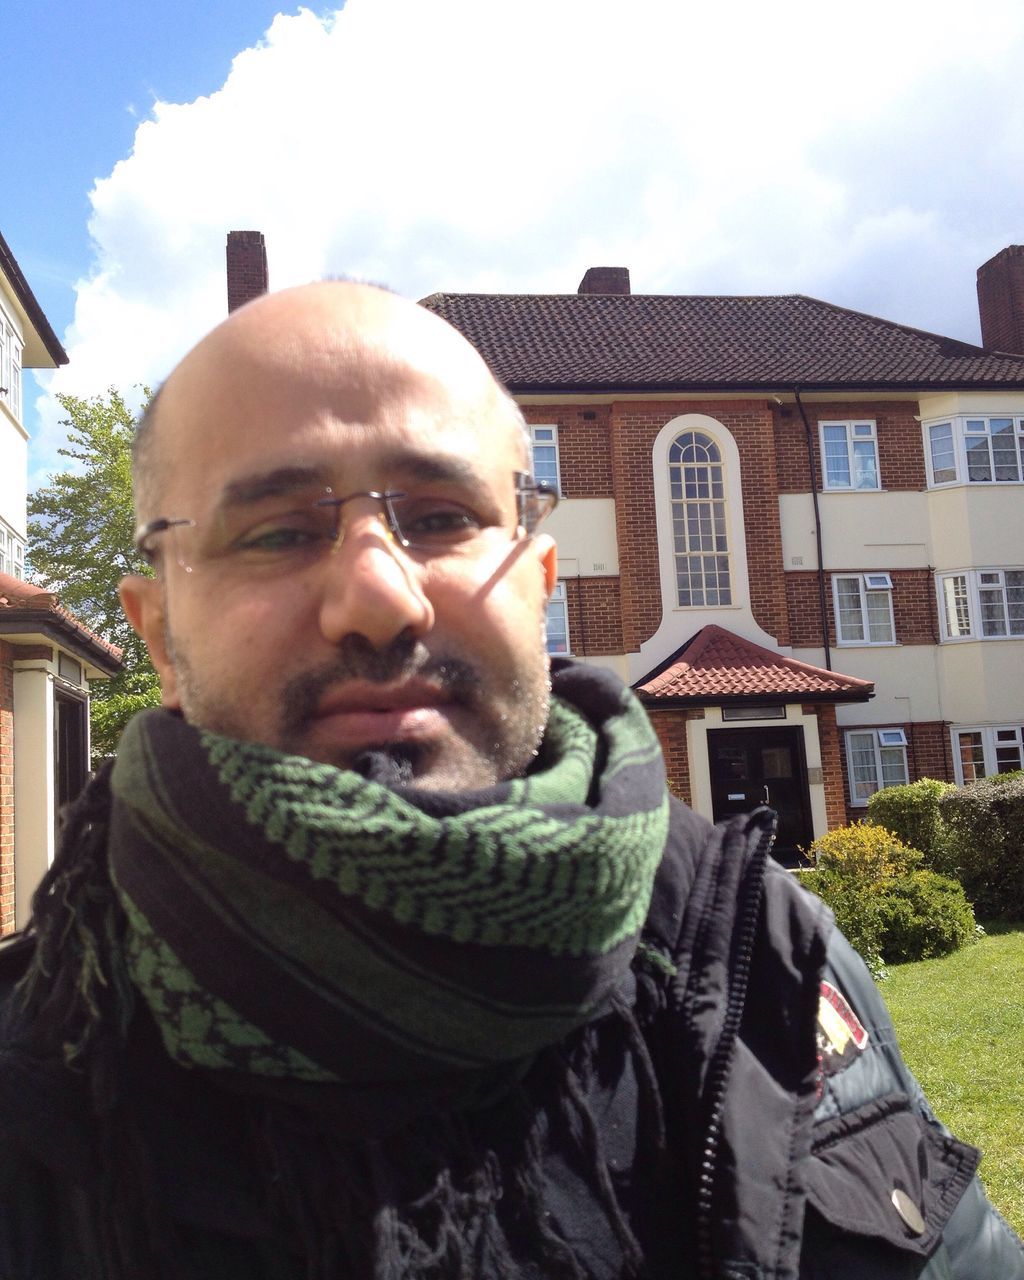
{"points": [[1001, 300], [605, 280], [247, 267]]}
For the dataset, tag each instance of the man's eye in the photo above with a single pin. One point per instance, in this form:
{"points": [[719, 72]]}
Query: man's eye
{"points": [[437, 523], [278, 537]]}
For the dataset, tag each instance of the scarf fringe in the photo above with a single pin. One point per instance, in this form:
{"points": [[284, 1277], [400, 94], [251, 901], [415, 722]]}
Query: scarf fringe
{"points": [[347, 1206], [76, 996]]}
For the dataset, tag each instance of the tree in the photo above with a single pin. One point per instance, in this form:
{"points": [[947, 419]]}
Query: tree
{"points": [[81, 531]]}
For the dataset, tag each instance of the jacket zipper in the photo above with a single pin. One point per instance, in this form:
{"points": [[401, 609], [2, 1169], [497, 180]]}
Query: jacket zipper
{"points": [[718, 1072]]}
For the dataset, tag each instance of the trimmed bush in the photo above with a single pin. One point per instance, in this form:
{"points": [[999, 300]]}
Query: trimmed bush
{"points": [[889, 909], [923, 915], [985, 826], [857, 912], [912, 813], [863, 852]]}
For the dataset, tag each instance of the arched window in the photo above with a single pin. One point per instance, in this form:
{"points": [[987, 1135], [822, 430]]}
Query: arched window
{"points": [[697, 486]]}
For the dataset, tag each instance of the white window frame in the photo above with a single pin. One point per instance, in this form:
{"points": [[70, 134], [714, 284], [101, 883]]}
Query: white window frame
{"points": [[994, 738], [558, 607], [544, 435], [12, 552], [858, 430], [891, 741], [873, 584], [708, 520], [970, 593], [971, 427]]}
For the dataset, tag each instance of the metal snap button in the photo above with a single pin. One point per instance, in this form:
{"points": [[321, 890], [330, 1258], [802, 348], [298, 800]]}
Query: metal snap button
{"points": [[908, 1211]]}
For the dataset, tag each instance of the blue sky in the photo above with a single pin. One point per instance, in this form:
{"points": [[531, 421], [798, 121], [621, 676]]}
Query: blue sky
{"points": [[873, 157], [79, 75]]}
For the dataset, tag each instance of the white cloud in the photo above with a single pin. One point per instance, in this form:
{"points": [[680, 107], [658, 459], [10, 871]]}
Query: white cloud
{"points": [[869, 156]]}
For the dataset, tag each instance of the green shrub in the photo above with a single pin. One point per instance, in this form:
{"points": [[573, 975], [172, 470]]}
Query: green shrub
{"points": [[864, 853], [888, 908], [912, 813], [985, 826], [923, 915], [857, 912]]}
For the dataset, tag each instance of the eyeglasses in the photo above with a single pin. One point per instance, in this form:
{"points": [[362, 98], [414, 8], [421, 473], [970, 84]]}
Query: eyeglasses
{"points": [[282, 532]]}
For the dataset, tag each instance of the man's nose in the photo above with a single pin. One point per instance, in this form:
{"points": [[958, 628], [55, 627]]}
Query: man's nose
{"points": [[371, 587]]}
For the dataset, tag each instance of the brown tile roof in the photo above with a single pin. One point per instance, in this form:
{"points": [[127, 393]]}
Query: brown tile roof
{"points": [[26, 608], [717, 666], [613, 342]]}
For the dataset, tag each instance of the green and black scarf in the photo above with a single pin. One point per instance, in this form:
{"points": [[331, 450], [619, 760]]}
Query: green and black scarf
{"points": [[310, 936], [294, 920]]}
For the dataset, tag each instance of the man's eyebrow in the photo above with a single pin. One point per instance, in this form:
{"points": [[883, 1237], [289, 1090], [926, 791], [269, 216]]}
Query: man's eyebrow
{"points": [[268, 484], [430, 467], [292, 479]]}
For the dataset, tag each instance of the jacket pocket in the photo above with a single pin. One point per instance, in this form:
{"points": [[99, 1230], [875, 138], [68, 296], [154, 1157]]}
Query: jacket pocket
{"points": [[881, 1185]]}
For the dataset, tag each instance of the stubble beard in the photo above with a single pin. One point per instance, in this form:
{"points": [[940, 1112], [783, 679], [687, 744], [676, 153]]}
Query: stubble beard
{"points": [[502, 735]]}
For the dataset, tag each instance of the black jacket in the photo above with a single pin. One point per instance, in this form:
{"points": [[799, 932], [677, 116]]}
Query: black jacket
{"points": [[792, 1155]]}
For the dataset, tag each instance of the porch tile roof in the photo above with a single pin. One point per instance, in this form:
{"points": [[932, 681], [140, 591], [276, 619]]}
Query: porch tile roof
{"points": [[551, 343], [24, 603], [716, 665]]}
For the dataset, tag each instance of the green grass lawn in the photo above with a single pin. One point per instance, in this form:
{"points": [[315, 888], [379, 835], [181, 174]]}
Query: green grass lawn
{"points": [[961, 1028]]}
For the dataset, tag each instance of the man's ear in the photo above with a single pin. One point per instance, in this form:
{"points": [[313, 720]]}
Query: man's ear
{"points": [[143, 602]]}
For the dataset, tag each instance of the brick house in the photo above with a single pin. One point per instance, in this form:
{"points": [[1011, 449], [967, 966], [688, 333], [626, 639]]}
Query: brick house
{"points": [[796, 530], [47, 657]]}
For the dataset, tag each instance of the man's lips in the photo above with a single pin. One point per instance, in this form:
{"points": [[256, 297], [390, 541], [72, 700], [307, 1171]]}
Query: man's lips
{"points": [[365, 714]]}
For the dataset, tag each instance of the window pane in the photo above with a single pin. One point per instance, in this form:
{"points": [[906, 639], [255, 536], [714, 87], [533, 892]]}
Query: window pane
{"points": [[865, 465], [940, 440], [880, 617], [979, 466], [972, 756], [894, 766], [1008, 750], [990, 597], [1004, 449], [697, 489], [863, 765], [850, 617], [1015, 600], [837, 458], [557, 626], [958, 614]]}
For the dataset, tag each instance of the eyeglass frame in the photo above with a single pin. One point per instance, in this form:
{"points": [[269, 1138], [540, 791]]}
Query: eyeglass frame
{"points": [[524, 486]]}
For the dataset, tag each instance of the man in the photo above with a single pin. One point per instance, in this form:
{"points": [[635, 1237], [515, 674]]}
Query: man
{"points": [[377, 954]]}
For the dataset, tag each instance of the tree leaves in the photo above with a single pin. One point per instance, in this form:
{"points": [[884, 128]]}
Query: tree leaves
{"points": [[81, 530]]}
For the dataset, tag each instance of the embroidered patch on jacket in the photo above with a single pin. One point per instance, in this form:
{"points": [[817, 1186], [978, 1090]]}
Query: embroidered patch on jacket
{"points": [[841, 1036]]}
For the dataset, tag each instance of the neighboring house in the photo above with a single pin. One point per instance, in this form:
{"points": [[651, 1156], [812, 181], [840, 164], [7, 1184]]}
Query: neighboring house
{"points": [[47, 657], [796, 530]]}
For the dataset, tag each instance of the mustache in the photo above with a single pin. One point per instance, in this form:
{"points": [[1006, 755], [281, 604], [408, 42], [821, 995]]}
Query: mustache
{"points": [[405, 658]]}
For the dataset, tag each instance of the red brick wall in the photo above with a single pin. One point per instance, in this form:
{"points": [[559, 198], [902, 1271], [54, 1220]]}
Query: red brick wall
{"points": [[6, 788], [634, 427], [247, 275], [670, 726], [900, 444], [1001, 299], [595, 616], [831, 763], [584, 446], [913, 605]]}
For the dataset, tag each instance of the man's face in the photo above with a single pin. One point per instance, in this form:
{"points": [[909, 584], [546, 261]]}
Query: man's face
{"points": [[435, 657]]}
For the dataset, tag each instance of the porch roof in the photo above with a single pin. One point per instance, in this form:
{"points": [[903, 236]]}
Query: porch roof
{"points": [[716, 666], [29, 613]]}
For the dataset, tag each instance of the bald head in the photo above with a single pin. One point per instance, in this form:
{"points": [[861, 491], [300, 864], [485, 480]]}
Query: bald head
{"points": [[270, 624], [355, 342]]}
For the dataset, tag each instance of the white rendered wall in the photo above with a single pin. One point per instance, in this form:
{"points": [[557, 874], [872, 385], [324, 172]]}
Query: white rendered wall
{"points": [[33, 784], [859, 530], [584, 529], [13, 472]]}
